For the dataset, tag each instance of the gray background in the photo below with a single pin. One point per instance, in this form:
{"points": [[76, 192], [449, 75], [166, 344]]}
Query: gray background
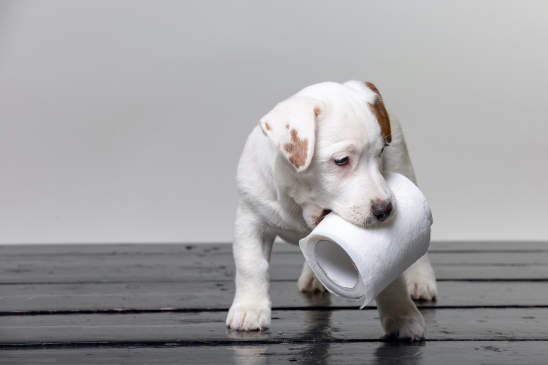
{"points": [[122, 121]]}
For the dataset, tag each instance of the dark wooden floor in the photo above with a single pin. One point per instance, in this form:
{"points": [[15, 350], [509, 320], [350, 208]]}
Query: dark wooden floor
{"points": [[163, 304]]}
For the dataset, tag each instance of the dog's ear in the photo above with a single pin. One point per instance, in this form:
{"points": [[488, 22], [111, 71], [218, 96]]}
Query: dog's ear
{"points": [[291, 126], [376, 105], [378, 109]]}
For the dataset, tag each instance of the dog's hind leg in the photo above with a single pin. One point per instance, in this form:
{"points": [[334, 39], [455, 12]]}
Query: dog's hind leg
{"points": [[420, 277], [308, 283], [421, 280]]}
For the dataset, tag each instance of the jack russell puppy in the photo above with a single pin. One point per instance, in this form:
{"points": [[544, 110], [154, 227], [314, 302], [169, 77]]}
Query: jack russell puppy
{"points": [[324, 149]]}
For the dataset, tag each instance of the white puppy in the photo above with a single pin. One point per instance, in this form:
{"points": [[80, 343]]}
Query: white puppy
{"points": [[323, 149]]}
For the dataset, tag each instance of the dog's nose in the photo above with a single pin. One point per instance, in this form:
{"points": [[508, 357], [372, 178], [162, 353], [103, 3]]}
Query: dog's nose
{"points": [[381, 209]]}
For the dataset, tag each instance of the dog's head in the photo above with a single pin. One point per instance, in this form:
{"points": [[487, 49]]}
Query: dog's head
{"points": [[332, 137]]}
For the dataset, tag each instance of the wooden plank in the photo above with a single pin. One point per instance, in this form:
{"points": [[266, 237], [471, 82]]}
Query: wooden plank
{"points": [[433, 353], [207, 254], [287, 326], [168, 249], [218, 296], [145, 271], [294, 257], [211, 263]]}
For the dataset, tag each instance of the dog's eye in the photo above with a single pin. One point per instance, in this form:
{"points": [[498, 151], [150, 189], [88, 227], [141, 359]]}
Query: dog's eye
{"points": [[341, 161]]}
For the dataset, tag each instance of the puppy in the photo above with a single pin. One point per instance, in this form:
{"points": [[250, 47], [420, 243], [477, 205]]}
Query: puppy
{"points": [[323, 149]]}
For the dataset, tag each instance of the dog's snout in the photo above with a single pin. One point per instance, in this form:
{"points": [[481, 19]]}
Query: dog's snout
{"points": [[381, 209]]}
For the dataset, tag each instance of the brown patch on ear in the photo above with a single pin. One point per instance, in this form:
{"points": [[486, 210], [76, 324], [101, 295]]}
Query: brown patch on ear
{"points": [[287, 126], [267, 126], [297, 149], [372, 87], [380, 113]]}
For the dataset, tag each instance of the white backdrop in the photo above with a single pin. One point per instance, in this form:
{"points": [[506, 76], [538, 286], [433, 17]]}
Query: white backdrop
{"points": [[122, 121]]}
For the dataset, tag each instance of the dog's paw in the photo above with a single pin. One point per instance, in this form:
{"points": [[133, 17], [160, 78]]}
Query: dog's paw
{"points": [[308, 283], [421, 280], [421, 285], [409, 327], [249, 316]]}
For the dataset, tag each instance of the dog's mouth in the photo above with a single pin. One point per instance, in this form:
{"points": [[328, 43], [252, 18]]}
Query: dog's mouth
{"points": [[322, 216]]}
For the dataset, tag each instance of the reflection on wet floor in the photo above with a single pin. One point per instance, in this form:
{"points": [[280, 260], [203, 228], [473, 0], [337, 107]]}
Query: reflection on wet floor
{"points": [[318, 327], [316, 340], [314, 343]]}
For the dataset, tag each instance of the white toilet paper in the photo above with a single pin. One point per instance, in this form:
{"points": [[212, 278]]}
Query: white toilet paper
{"points": [[359, 263]]}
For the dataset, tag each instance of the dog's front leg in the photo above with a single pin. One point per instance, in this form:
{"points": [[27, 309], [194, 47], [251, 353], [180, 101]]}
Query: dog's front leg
{"points": [[251, 306], [400, 318]]}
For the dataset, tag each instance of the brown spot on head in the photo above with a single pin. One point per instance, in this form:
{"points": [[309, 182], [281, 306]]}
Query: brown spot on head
{"points": [[287, 126], [267, 126], [317, 111], [297, 149], [372, 87], [378, 109]]}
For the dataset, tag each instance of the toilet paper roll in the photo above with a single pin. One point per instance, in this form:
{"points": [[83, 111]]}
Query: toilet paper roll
{"points": [[358, 263]]}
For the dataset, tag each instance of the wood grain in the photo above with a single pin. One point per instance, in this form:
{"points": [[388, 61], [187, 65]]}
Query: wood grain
{"points": [[287, 326], [218, 296], [432, 353], [186, 263]]}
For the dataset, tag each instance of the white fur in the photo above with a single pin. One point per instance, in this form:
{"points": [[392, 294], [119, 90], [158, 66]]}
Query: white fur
{"points": [[278, 198]]}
